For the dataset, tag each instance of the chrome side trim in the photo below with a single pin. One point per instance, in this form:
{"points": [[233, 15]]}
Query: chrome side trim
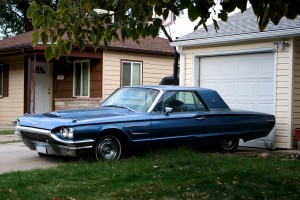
{"points": [[70, 142], [133, 133], [34, 130]]}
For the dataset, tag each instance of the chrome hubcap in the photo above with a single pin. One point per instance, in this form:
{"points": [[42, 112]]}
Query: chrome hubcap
{"points": [[109, 149]]}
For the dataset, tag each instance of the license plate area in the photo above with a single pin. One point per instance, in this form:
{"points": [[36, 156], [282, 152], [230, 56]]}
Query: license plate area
{"points": [[41, 148]]}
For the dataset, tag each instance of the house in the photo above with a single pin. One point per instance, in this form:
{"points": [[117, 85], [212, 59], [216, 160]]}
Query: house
{"points": [[29, 84], [252, 70]]}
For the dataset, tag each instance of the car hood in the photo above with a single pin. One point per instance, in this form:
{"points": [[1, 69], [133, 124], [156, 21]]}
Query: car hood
{"points": [[55, 119]]}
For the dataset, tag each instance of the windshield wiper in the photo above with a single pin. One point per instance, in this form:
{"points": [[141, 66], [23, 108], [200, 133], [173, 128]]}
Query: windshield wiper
{"points": [[115, 106]]}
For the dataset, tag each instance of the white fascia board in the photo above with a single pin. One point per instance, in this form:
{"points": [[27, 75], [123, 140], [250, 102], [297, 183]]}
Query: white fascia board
{"points": [[238, 38]]}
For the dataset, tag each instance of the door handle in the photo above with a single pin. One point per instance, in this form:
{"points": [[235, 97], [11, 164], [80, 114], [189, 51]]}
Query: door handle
{"points": [[201, 118]]}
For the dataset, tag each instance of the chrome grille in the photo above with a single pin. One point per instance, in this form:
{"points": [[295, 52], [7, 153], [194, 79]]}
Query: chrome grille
{"points": [[35, 136]]}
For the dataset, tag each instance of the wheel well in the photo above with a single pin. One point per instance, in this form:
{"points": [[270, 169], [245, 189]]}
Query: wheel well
{"points": [[113, 132]]}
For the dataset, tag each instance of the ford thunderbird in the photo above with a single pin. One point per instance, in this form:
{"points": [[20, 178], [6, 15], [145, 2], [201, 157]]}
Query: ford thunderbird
{"points": [[142, 116]]}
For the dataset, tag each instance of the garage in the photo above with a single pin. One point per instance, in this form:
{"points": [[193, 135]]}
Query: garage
{"points": [[245, 81]]}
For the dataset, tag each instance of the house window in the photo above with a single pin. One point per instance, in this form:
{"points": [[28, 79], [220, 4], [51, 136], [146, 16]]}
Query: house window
{"points": [[131, 73], [81, 78], [1, 80]]}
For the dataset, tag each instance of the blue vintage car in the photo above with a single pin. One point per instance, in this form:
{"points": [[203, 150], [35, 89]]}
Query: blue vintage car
{"points": [[142, 116]]}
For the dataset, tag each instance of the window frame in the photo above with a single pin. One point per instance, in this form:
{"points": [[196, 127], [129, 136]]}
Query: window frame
{"points": [[74, 78], [194, 96], [131, 71]]}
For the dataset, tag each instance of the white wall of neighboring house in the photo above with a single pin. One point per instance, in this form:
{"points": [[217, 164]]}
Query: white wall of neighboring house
{"points": [[12, 106], [154, 69]]}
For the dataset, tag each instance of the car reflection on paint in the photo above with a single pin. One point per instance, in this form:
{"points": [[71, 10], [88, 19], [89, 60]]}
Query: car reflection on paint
{"points": [[141, 116]]}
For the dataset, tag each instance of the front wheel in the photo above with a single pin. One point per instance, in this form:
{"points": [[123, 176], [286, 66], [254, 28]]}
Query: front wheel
{"points": [[228, 144], [108, 148]]}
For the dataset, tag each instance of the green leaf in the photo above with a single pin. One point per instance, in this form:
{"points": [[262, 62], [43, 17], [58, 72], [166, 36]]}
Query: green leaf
{"points": [[68, 47], [96, 45], [55, 50], [44, 37], [47, 8], [76, 26], [81, 44], [216, 25], [60, 45], [32, 9], [153, 31], [38, 21], [205, 27], [157, 22], [192, 13], [186, 3], [61, 32], [35, 38], [48, 53], [158, 10], [223, 16], [139, 27], [123, 33], [166, 14]]}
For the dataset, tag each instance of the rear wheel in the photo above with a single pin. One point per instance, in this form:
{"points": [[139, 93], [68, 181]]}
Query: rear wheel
{"points": [[228, 144], [108, 148]]}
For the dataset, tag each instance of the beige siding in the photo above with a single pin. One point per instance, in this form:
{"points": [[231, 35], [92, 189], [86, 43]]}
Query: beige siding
{"points": [[296, 92], [155, 67], [13, 106], [284, 71]]}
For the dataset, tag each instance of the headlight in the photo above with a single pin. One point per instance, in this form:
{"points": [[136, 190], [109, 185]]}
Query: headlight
{"points": [[67, 132]]}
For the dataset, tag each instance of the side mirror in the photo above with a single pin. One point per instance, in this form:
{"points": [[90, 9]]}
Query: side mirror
{"points": [[168, 110]]}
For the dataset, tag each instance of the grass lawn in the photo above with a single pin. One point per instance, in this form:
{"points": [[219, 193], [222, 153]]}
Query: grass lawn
{"points": [[178, 173], [4, 132]]}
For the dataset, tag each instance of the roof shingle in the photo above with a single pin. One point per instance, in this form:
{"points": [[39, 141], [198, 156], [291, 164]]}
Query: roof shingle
{"points": [[238, 24], [156, 45]]}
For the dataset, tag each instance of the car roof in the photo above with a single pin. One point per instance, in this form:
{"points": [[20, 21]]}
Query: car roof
{"points": [[170, 87], [210, 97]]}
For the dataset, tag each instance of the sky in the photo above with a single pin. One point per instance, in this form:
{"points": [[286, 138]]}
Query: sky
{"points": [[182, 26]]}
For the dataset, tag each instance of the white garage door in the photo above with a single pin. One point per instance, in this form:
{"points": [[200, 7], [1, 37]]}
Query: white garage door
{"points": [[245, 82]]}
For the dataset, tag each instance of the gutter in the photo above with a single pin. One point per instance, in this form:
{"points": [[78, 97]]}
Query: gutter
{"points": [[237, 38]]}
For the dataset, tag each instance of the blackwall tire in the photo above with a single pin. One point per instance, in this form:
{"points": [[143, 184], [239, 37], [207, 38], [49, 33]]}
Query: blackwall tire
{"points": [[228, 144], [108, 148]]}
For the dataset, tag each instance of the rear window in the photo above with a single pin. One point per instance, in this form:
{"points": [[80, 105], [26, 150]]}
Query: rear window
{"points": [[213, 100]]}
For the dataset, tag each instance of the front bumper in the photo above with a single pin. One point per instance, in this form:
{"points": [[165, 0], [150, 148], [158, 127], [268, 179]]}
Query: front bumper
{"points": [[52, 145]]}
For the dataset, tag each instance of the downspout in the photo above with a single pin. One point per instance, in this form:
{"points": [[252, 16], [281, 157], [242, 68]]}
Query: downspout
{"points": [[182, 66]]}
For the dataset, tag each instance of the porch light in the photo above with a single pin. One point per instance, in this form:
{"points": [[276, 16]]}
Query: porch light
{"points": [[280, 45]]}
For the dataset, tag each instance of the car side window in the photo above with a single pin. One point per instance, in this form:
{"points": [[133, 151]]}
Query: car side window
{"points": [[179, 101]]}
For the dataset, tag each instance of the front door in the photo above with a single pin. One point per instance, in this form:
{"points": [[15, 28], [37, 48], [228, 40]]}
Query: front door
{"points": [[42, 88]]}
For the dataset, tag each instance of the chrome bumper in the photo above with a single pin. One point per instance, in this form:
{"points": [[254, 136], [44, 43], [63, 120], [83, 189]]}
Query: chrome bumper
{"points": [[32, 137]]}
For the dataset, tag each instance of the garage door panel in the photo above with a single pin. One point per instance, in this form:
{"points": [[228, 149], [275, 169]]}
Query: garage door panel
{"points": [[227, 68], [209, 70], [265, 89], [244, 81], [246, 67], [226, 88], [263, 70], [246, 89], [265, 107]]}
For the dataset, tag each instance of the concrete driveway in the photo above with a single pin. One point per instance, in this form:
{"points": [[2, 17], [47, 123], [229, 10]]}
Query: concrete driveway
{"points": [[14, 156]]}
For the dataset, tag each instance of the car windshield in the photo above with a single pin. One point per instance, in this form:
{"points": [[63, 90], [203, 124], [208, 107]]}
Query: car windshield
{"points": [[134, 99]]}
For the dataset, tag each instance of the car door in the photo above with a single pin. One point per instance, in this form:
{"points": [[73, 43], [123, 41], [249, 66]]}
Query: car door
{"points": [[187, 120]]}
